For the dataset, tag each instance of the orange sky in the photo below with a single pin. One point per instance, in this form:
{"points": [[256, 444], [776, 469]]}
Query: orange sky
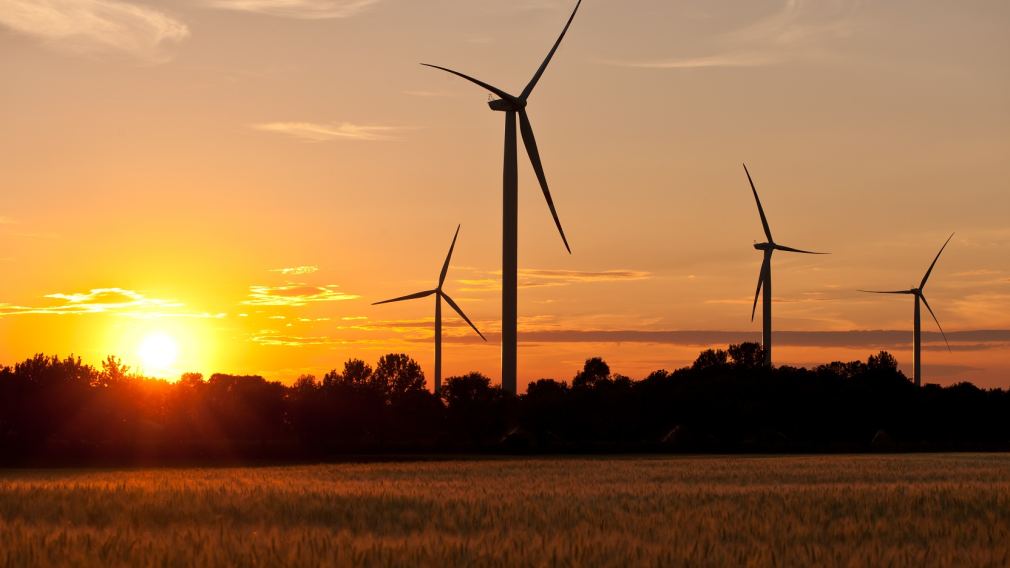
{"points": [[247, 176]]}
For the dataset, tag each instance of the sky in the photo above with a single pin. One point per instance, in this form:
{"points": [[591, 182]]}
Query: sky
{"points": [[230, 184]]}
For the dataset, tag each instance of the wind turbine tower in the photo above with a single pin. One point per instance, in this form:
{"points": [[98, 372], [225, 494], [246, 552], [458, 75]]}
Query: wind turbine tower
{"points": [[765, 276], [514, 108], [920, 297], [440, 295]]}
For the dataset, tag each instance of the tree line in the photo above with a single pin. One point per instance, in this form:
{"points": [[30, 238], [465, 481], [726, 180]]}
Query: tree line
{"points": [[56, 411]]}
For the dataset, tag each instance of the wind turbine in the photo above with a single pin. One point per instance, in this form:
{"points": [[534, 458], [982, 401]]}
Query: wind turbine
{"points": [[917, 333], [439, 296], [512, 106], [765, 277]]}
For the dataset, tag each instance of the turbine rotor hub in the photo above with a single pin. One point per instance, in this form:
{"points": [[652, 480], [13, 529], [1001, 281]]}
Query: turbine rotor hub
{"points": [[506, 105]]}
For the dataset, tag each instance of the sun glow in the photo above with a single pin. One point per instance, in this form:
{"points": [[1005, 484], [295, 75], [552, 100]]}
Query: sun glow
{"points": [[162, 347], [158, 353]]}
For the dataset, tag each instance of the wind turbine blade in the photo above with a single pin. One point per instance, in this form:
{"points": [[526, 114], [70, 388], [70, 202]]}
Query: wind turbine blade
{"points": [[791, 249], [936, 320], [761, 211], [543, 67], [926, 277], [448, 257], [487, 86], [531, 148], [761, 281], [462, 315], [886, 292], [408, 297]]}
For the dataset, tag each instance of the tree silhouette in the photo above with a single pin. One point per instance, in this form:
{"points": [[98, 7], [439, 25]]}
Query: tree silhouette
{"points": [[467, 389], [356, 373], [61, 411], [710, 359], [546, 388], [747, 355], [113, 371], [594, 370], [477, 411], [882, 362], [397, 374]]}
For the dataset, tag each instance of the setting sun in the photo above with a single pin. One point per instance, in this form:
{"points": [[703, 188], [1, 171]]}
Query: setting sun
{"points": [[158, 353]]}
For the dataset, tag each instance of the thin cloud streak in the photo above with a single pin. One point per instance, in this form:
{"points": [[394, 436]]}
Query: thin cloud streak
{"points": [[267, 337], [725, 60], [316, 132], [95, 27], [572, 276], [296, 295], [428, 94], [538, 278], [801, 28], [296, 270], [297, 9], [413, 325], [115, 301]]}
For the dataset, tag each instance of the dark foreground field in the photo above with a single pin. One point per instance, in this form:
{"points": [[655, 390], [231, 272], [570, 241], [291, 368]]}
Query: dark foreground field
{"points": [[915, 510]]}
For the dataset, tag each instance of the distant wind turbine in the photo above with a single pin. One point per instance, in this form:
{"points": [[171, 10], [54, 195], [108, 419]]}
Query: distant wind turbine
{"points": [[917, 333], [765, 277], [513, 105], [439, 296]]}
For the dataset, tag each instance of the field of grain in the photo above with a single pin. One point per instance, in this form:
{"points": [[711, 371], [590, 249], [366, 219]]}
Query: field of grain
{"points": [[918, 510]]}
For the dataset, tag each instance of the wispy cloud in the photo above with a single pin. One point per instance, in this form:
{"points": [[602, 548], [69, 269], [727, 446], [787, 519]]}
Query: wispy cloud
{"points": [[811, 297], [299, 9], [428, 94], [296, 270], [575, 276], [117, 301], [537, 6], [95, 26], [411, 326], [316, 132], [268, 337], [723, 60], [296, 295], [107, 299], [799, 29], [538, 278], [423, 327]]}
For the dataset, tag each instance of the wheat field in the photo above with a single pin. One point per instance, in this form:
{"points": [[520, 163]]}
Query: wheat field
{"points": [[915, 510]]}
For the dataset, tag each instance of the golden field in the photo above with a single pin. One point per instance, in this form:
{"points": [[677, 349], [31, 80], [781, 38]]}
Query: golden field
{"points": [[909, 510]]}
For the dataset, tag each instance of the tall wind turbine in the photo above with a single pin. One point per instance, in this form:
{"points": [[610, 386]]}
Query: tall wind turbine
{"points": [[917, 333], [765, 277], [512, 106], [439, 296]]}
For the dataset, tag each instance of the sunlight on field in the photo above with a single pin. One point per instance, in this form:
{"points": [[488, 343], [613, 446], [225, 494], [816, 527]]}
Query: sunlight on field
{"points": [[937, 510]]}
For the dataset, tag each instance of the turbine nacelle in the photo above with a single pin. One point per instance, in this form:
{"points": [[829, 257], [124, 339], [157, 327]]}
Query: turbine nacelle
{"points": [[507, 105], [764, 246]]}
